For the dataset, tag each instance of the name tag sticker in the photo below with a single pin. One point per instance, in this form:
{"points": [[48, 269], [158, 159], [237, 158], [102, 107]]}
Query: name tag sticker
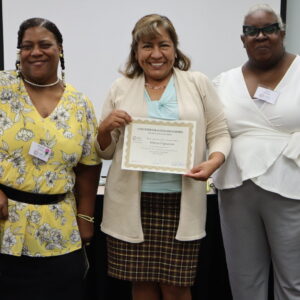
{"points": [[266, 95], [39, 151]]}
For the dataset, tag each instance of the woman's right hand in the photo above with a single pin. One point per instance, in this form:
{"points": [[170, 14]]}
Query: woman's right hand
{"points": [[3, 206], [116, 119]]}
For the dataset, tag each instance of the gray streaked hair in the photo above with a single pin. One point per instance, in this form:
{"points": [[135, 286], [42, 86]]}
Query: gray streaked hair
{"points": [[265, 8]]}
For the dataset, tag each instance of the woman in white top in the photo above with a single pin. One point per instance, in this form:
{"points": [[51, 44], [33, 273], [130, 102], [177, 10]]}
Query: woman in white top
{"points": [[259, 183]]}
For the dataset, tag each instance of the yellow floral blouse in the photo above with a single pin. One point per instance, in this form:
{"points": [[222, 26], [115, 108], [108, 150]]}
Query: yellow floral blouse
{"points": [[69, 131]]}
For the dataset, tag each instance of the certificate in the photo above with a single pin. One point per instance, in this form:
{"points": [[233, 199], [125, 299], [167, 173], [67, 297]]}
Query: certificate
{"points": [[159, 145]]}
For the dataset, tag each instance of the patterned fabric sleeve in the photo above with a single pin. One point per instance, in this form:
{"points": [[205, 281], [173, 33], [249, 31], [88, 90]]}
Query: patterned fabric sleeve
{"points": [[89, 127]]}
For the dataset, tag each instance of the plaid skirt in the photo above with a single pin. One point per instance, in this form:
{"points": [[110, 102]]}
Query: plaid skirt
{"points": [[160, 258]]}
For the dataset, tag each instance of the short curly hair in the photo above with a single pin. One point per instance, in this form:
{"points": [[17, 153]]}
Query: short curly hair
{"points": [[265, 8]]}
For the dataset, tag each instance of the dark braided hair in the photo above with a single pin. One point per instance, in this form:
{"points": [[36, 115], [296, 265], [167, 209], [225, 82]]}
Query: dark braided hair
{"points": [[50, 26]]}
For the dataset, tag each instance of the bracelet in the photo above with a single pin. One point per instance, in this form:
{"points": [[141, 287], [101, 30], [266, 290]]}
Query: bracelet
{"points": [[86, 218]]}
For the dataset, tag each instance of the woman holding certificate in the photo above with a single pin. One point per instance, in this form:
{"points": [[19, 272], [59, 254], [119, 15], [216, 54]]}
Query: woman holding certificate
{"points": [[154, 221], [259, 183]]}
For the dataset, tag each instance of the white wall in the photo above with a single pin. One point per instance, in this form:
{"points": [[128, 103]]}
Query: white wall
{"points": [[292, 40], [97, 34]]}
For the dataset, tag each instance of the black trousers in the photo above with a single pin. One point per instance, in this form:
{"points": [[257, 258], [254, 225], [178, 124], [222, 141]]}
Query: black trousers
{"points": [[42, 278]]}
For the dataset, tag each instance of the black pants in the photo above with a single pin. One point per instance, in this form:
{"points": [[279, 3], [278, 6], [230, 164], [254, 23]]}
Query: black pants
{"points": [[42, 278]]}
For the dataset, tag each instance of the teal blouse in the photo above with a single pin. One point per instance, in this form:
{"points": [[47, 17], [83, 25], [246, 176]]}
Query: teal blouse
{"points": [[165, 108]]}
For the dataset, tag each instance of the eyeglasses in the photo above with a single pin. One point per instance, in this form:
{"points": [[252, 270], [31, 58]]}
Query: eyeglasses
{"points": [[255, 31]]}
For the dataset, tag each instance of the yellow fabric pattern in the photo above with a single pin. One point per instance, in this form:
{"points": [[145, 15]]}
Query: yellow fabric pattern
{"points": [[69, 131], [40, 230]]}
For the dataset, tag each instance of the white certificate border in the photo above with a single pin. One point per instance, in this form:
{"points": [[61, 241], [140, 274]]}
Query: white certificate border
{"points": [[191, 125]]}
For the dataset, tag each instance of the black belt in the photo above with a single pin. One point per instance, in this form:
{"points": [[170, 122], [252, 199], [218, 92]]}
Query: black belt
{"points": [[31, 198]]}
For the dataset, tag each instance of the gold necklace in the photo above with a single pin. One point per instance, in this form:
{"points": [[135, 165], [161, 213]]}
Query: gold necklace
{"points": [[152, 87]]}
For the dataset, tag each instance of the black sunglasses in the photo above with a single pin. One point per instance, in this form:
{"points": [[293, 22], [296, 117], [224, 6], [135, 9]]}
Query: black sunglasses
{"points": [[255, 31]]}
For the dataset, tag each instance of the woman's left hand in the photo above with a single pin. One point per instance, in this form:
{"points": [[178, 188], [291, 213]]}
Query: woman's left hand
{"points": [[86, 230], [204, 170]]}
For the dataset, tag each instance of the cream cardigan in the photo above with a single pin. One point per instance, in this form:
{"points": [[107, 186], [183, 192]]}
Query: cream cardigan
{"points": [[197, 100]]}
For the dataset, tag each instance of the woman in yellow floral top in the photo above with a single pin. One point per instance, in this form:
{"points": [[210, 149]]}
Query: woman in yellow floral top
{"points": [[47, 158]]}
